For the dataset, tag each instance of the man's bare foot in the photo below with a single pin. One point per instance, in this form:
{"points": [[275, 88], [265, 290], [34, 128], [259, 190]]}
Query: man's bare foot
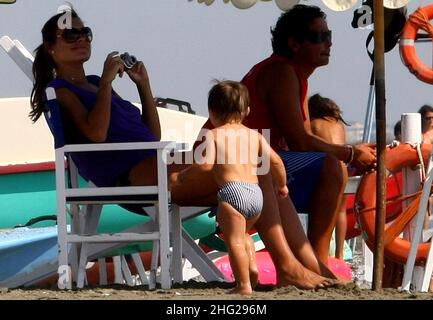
{"points": [[303, 278]]}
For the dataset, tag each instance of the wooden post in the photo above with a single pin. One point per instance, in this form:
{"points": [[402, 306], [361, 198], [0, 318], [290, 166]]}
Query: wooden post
{"points": [[379, 74]]}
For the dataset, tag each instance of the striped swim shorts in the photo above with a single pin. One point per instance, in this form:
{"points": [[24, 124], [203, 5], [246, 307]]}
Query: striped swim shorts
{"points": [[245, 197]]}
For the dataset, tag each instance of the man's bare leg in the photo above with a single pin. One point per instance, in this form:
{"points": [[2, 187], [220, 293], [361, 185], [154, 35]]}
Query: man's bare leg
{"points": [[324, 207], [298, 240], [289, 270]]}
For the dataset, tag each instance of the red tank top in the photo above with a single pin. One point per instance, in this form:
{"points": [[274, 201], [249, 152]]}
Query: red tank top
{"points": [[261, 117]]}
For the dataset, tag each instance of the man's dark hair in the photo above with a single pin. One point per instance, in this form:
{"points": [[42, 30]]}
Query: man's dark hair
{"points": [[293, 23]]}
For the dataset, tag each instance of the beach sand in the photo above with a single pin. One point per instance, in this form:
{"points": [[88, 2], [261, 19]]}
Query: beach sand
{"points": [[209, 291], [199, 290]]}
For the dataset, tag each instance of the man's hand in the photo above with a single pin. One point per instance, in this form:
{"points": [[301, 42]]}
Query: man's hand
{"points": [[283, 192], [364, 158]]}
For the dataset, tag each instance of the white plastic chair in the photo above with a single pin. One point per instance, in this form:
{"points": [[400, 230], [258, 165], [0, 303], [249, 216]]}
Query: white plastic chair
{"points": [[183, 245]]}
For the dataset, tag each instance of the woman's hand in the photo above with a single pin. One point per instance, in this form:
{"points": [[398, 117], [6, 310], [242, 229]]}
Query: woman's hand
{"points": [[138, 73], [113, 66]]}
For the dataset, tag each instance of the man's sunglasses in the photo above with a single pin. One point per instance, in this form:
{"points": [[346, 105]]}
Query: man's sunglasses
{"points": [[73, 34], [319, 36]]}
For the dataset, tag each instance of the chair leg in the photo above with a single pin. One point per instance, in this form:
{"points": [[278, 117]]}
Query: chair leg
{"points": [[154, 264], [81, 278], [199, 259], [140, 268], [176, 237], [64, 270], [127, 276], [118, 278], [164, 245], [103, 279]]}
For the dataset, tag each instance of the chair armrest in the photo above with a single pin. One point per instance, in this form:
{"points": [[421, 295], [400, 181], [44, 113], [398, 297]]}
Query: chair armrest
{"points": [[158, 145]]}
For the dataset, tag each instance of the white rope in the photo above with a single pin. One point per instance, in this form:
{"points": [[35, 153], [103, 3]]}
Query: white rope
{"points": [[421, 161]]}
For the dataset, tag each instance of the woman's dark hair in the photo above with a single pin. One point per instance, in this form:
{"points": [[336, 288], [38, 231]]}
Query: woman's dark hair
{"points": [[293, 23], [43, 65], [322, 108], [229, 100], [424, 110]]}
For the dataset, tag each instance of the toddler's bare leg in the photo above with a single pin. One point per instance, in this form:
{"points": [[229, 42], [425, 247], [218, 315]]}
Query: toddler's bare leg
{"points": [[233, 227], [249, 247]]}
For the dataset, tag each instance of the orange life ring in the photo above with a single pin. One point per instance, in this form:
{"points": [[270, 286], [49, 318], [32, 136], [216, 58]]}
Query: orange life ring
{"points": [[396, 249], [419, 19], [393, 190]]}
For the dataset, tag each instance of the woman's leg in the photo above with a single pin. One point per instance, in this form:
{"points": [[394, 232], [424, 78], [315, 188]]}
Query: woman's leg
{"points": [[324, 206], [340, 230], [190, 185], [289, 270], [193, 186]]}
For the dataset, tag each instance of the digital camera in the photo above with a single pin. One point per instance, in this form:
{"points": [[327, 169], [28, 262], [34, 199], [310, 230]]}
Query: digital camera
{"points": [[129, 61]]}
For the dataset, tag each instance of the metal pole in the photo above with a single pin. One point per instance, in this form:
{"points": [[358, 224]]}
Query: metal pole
{"points": [[369, 115], [379, 74]]}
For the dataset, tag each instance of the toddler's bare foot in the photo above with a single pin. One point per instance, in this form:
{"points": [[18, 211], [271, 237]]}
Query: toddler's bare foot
{"points": [[245, 291], [254, 277]]}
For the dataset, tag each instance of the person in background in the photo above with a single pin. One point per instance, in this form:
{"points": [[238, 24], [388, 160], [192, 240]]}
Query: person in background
{"points": [[397, 131], [327, 123], [426, 112]]}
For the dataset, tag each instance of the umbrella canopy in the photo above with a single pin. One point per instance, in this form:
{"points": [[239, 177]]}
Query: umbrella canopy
{"points": [[336, 5]]}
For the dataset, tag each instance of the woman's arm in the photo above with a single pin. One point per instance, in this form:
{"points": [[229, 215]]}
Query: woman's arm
{"points": [[149, 113], [93, 124]]}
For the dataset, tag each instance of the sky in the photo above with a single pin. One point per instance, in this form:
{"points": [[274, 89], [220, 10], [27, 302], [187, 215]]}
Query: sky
{"points": [[185, 45]]}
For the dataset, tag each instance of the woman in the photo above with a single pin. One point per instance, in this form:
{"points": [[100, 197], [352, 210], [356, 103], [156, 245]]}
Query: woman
{"points": [[91, 110], [327, 123]]}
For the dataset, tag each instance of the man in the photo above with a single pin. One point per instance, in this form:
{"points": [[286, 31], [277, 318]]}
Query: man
{"points": [[277, 94], [278, 88]]}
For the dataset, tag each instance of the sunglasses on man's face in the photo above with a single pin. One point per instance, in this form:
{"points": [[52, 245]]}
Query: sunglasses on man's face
{"points": [[319, 36], [73, 34]]}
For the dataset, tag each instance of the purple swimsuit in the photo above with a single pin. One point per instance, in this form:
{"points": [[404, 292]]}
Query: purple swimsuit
{"points": [[106, 168]]}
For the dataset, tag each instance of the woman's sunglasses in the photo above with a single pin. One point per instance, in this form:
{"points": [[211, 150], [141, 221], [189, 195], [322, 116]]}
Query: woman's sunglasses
{"points": [[319, 36], [73, 34]]}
